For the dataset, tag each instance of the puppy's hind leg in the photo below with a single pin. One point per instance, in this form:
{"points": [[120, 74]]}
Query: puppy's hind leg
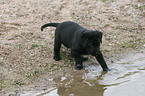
{"points": [[57, 45]]}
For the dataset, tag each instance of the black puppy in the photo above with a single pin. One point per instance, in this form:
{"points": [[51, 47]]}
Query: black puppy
{"points": [[79, 40]]}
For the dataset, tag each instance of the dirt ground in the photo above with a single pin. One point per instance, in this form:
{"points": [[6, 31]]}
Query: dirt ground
{"points": [[26, 61]]}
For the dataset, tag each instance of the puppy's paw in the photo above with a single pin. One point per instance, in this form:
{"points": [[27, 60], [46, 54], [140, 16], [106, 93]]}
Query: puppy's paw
{"points": [[107, 69], [78, 67], [57, 58]]}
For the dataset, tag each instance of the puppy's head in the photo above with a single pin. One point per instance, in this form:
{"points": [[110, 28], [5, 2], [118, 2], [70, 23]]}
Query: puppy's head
{"points": [[90, 40]]}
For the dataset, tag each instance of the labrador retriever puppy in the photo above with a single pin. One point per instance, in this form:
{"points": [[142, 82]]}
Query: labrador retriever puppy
{"points": [[80, 40]]}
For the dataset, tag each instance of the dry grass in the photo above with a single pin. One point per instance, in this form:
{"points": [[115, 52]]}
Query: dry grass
{"points": [[26, 53]]}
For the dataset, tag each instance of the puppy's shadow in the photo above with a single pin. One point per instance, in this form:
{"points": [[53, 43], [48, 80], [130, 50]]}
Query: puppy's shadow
{"points": [[65, 54], [90, 62]]}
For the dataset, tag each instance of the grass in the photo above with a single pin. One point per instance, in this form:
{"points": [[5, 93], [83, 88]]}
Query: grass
{"points": [[138, 7], [35, 45]]}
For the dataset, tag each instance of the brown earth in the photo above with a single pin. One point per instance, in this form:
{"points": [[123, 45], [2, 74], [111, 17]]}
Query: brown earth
{"points": [[26, 61]]}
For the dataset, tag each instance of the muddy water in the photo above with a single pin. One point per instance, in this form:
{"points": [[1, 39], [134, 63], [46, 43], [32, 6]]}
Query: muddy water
{"points": [[127, 78]]}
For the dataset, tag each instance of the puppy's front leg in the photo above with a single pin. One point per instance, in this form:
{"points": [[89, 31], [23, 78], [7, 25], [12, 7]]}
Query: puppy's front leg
{"points": [[79, 64], [102, 62], [78, 60]]}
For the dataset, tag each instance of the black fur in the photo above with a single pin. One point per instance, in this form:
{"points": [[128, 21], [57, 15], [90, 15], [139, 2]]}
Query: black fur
{"points": [[81, 41]]}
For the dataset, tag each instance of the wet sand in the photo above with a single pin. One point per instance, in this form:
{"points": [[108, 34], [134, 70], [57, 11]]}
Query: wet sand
{"points": [[126, 79]]}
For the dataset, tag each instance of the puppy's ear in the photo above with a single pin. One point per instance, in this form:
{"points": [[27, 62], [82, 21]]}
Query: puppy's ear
{"points": [[98, 34], [86, 34]]}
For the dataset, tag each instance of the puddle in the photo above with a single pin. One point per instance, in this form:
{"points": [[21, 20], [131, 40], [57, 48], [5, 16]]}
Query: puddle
{"points": [[126, 79]]}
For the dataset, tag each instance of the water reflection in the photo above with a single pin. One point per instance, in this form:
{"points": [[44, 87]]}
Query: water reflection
{"points": [[77, 85]]}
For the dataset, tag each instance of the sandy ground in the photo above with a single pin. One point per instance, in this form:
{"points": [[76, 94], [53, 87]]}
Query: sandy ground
{"points": [[26, 61]]}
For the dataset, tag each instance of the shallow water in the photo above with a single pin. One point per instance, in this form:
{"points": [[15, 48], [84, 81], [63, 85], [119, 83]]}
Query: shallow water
{"points": [[127, 78]]}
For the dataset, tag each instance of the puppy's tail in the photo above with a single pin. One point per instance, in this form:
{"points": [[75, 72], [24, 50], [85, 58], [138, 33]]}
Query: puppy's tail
{"points": [[49, 24]]}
